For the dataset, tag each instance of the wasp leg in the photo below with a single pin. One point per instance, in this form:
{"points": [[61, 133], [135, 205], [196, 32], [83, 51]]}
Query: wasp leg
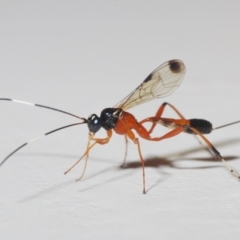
{"points": [[213, 150], [89, 147], [159, 114], [144, 134]]}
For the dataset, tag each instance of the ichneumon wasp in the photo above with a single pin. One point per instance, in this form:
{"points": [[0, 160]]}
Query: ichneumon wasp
{"points": [[160, 83]]}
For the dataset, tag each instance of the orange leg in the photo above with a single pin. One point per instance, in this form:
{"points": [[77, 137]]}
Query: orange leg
{"points": [[170, 134], [183, 128], [159, 114], [144, 133], [131, 135], [89, 147]]}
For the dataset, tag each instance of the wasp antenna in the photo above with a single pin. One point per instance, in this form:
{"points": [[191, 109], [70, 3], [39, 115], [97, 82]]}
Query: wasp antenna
{"points": [[40, 105], [36, 138], [226, 125]]}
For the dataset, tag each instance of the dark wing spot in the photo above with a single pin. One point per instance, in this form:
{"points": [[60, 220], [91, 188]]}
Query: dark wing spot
{"points": [[148, 78], [175, 66]]}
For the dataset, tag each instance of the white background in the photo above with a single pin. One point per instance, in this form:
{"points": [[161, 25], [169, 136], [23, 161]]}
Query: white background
{"points": [[83, 56]]}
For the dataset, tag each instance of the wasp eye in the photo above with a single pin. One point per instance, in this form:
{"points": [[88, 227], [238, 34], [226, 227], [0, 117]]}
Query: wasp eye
{"points": [[94, 123]]}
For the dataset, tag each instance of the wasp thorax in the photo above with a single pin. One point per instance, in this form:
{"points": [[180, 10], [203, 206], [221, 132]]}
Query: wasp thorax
{"points": [[109, 117], [94, 123]]}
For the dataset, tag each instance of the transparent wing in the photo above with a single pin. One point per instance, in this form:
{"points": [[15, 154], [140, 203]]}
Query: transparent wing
{"points": [[160, 83]]}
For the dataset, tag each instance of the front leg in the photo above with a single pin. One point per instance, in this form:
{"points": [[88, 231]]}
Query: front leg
{"points": [[101, 141], [89, 147]]}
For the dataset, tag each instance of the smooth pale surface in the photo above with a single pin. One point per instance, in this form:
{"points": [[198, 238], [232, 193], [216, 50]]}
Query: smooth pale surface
{"points": [[83, 56]]}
